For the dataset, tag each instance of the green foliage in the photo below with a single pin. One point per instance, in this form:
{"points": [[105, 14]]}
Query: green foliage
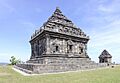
{"points": [[107, 75], [14, 61]]}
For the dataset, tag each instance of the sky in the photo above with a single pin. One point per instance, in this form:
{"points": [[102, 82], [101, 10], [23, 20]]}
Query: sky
{"points": [[99, 19]]}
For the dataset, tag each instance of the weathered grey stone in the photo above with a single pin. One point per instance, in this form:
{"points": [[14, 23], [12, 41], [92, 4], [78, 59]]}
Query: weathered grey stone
{"points": [[58, 46], [105, 57]]}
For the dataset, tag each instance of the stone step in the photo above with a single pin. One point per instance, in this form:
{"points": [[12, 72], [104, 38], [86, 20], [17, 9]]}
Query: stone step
{"points": [[60, 65]]}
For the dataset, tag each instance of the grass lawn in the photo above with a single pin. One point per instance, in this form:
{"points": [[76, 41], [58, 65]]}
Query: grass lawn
{"points": [[108, 75]]}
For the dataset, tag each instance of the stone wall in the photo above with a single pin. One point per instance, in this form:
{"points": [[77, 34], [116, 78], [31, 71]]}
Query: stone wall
{"points": [[51, 45], [38, 48], [78, 48], [52, 65]]}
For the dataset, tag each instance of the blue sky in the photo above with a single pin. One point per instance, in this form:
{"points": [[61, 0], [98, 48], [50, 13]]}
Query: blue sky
{"points": [[100, 19]]}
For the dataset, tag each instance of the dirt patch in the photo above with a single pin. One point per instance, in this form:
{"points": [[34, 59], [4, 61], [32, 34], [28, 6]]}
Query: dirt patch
{"points": [[4, 74]]}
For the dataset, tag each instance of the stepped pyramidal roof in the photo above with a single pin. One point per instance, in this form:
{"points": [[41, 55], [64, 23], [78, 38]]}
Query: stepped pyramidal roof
{"points": [[61, 24], [105, 54]]}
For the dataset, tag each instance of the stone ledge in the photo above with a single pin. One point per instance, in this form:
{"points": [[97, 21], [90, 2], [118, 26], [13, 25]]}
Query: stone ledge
{"points": [[54, 68], [23, 70]]}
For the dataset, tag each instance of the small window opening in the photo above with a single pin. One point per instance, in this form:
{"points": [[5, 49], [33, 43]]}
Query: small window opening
{"points": [[57, 48], [70, 47], [81, 50]]}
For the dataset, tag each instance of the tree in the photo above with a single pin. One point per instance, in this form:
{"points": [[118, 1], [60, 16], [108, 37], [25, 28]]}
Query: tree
{"points": [[14, 61]]}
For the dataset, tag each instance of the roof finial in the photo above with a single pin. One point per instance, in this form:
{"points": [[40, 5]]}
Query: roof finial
{"points": [[57, 10], [57, 7]]}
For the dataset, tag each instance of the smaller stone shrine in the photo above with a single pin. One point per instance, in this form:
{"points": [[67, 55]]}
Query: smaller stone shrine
{"points": [[105, 57]]}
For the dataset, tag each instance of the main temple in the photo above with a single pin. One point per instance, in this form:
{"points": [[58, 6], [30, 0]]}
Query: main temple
{"points": [[58, 37], [58, 46]]}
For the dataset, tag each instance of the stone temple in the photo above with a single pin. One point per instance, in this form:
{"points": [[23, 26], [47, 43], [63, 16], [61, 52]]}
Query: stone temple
{"points": [[58, 38], [105, 57], [58, 46]]}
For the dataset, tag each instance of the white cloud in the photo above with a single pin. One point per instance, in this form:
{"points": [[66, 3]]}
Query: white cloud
{"points": [[104, 9], [107, 37], [4, 6], [109, 7]]}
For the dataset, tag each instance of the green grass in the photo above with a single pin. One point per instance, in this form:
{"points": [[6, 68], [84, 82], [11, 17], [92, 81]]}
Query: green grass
{"points": [[108, 75]]}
